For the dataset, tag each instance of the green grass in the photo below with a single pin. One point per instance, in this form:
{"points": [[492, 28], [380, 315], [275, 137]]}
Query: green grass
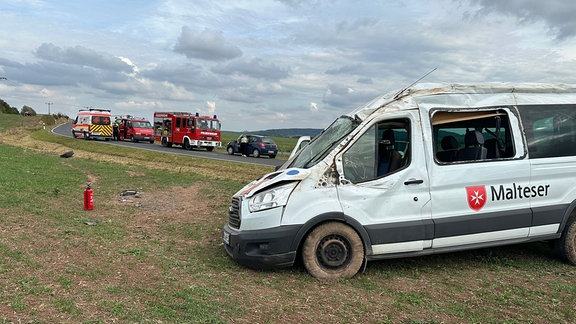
{"points": [[164, 262]]}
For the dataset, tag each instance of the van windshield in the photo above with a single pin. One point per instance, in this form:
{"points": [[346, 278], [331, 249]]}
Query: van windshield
{"points": [[324, 143], [141, 124]]}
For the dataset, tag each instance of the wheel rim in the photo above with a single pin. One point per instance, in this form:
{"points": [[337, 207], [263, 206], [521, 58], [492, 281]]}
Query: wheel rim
{"points": [[333, 251]]}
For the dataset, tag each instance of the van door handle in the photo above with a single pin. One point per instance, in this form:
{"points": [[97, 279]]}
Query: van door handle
{"points": [[413, 181]]}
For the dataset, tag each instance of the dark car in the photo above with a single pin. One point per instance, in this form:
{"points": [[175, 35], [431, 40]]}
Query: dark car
{"points": [[256, 146]]}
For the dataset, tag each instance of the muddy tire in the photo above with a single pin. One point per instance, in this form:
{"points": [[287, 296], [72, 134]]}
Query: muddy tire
{"points": [[566, 244], [333, 251]]}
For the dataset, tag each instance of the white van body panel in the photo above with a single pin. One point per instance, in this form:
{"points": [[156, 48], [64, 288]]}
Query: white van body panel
{"points": [[525, 192], [390, 199]]}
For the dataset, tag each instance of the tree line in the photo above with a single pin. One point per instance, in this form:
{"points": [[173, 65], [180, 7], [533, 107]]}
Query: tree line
{"points": [[7, 109]]}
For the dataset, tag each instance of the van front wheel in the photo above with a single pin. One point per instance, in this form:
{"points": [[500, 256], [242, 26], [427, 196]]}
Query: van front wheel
{"points": [[566, 245], [332, 251]]}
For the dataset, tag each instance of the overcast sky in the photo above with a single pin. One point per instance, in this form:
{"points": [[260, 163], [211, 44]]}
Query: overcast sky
{"points": [[261, 64]]}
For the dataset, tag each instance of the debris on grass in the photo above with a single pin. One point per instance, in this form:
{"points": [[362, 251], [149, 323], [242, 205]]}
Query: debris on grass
{"points": [[129, 193]]}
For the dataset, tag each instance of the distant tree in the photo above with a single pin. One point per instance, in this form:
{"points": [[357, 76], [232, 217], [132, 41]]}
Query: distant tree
{"points": [[27, 111], [5, 108], [60, 115]]}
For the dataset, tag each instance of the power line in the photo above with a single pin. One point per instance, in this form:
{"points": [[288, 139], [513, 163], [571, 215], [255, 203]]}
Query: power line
{"points": [[49, 104]]}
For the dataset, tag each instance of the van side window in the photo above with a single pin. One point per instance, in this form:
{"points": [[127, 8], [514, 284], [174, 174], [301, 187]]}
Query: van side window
{"points": [[550, 130], [471, 136], [383, 149]]}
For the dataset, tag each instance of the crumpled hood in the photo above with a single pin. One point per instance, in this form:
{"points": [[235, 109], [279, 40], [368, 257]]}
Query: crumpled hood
{"points": [[292, 174]]}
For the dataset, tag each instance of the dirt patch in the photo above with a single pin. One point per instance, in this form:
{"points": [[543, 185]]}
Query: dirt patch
{"points": [[178, 204]]}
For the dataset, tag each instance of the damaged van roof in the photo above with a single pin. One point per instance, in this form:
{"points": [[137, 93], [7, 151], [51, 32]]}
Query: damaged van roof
{"points": [[462, 95]]}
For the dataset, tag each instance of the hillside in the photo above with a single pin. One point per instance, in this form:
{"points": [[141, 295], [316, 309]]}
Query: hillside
{"points": [[289, 132]]}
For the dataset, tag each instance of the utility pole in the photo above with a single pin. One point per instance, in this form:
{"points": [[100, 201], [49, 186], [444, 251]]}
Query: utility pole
{"points": [[49, 104]]}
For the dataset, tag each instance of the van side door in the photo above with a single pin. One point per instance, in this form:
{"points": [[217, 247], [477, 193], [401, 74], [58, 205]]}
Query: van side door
{"points": [[480, 194], [384, 184]]}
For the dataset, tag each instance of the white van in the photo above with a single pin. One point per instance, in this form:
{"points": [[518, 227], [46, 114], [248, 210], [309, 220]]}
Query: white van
{"points": [[429, 169]]}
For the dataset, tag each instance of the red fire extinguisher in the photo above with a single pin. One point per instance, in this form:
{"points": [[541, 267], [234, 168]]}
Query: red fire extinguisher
{"points": [[88, 198]]}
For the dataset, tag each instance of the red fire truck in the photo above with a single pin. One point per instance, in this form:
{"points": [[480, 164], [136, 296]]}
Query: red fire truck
{"points": [[135, 129], [187, 129]]}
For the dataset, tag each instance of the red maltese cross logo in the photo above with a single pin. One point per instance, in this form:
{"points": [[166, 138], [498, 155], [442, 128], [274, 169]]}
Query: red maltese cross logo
{"points": [[476, 197]]}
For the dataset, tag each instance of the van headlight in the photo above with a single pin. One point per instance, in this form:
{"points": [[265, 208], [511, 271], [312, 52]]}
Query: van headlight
{"points": [[271, 198]]}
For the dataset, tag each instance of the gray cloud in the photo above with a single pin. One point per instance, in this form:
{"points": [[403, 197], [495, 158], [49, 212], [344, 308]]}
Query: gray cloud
{"points": [[44, 73], [347, 69], [83, 56], [207, 45], [340, 95], [256, 68], [559, 15]]}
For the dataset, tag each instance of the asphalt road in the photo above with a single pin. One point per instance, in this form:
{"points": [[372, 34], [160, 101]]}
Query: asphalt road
{"points": [[66, 130]]}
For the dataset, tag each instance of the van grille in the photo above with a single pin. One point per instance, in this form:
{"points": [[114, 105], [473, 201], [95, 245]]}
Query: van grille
{"points": [[234, 213]]}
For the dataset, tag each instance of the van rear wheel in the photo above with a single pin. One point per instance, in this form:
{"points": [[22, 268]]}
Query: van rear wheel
{"points": [[332, 251], [566, 244]]}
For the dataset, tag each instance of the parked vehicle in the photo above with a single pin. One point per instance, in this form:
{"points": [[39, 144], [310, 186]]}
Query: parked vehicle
{"points": [[187, 129], [135, 129], [256, 146], [428, 169], [93, 123]]}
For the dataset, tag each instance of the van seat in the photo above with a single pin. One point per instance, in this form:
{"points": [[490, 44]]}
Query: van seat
{"points": [[473, 147], [492, 148], [449, 151], [390, 159]]}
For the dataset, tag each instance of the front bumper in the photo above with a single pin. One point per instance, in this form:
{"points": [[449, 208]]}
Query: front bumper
{"points": [[143, 137], [261, 249], [205, 143]]}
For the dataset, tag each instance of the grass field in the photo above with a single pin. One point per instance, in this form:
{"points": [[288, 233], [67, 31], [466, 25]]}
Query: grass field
{"points": [[158, 258]]}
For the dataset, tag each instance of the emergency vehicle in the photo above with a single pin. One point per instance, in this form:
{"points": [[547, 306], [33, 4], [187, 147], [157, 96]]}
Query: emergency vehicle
{"points": [[431, 168], [93, 123], [135, 129], [187, 129]]}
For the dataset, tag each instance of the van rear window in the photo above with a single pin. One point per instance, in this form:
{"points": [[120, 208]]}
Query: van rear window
{"points": [[550, 130]]}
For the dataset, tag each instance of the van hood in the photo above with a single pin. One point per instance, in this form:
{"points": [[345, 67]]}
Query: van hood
{"points": [[269, 180]]}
